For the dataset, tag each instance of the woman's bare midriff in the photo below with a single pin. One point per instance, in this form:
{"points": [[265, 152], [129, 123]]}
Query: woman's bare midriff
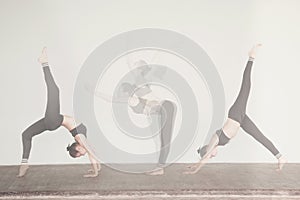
{"points": [[231, 127], [149, 106]]}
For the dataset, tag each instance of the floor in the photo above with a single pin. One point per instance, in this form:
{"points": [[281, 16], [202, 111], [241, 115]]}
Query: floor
{"points": [[213, 181]]}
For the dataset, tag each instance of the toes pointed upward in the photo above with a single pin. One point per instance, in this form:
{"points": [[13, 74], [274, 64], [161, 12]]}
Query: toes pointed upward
{"points": [[43, 57], [44, 51]]}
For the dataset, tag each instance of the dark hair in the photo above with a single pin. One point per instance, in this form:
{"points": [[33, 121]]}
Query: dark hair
{"points": [[202, 151], [72, 150], [144, 67], [127, 88]]}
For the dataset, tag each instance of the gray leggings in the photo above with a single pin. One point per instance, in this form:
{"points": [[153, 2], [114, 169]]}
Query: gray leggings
{"points": [[237, 112], [52, 120], [167, 115]]}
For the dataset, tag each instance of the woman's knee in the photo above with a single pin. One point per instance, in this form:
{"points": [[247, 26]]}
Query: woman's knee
{"points": [[26, 135]]}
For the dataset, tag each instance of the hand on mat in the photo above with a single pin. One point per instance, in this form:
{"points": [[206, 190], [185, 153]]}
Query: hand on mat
{"points": [[22, 170], [95, 174], [193, 166], [193, 169], [92, 170], [98, 168]]}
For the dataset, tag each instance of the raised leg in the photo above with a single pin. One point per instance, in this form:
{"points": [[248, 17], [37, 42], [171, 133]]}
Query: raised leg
{"points": [[238, 109], [53, 104], [53, 118]]}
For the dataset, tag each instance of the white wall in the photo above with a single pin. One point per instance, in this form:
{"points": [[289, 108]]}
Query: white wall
{"points": [[226, 30]]}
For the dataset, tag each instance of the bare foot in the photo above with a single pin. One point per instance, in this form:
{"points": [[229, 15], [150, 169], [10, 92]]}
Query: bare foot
{"points": [[156, 172], [281, 162], [23, 169], [252, 52], [43, 57]]}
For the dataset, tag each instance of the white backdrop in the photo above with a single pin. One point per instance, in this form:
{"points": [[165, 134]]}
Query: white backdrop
{"points": [[226, 30]]}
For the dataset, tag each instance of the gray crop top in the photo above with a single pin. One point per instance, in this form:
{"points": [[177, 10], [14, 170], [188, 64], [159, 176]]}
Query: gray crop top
{"points": [[80, 129]]}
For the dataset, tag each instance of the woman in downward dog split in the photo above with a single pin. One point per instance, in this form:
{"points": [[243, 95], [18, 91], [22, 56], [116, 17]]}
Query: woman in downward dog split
{"points": [[53, 120], [237, 118]]}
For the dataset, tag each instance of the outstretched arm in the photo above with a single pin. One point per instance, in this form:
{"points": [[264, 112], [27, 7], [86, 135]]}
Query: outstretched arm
{"points": [[105, 97], [211, 147], [96, 167], [109, 98], [81, 139], [70, 124], [196, 167]]}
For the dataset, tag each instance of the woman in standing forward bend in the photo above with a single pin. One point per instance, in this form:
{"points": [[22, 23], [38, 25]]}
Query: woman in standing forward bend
{"points": [[140, 98], [52, 121], [237, 118]]}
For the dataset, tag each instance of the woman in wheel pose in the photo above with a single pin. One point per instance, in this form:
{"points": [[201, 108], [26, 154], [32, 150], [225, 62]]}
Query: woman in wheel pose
{"points": [[237, 118], [53, 120]]}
